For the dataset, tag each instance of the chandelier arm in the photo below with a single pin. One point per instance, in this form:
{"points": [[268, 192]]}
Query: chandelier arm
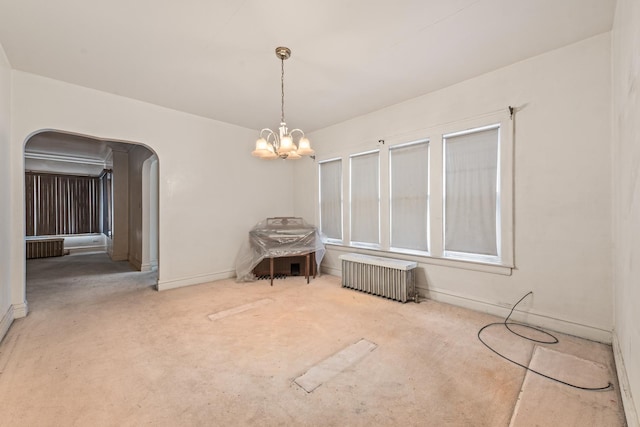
{"points": [[296, 130], [268, 131], [271, 138]]}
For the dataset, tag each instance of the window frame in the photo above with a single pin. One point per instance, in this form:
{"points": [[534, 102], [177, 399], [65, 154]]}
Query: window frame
{"points": [[352, 242], [504, 184], [319, 199], [61, 204], [471, 255], [400, 146], [504, 262]]}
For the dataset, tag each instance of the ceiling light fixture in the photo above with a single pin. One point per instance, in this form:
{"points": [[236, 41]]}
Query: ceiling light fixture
{"points": [[280, 145]]}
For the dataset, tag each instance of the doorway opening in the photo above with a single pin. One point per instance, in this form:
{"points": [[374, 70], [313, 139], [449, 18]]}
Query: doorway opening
{"points": [[87, 195]]}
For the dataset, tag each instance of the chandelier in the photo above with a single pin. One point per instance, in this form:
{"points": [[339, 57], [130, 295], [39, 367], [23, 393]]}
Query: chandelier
{"points": [[281, 144]]}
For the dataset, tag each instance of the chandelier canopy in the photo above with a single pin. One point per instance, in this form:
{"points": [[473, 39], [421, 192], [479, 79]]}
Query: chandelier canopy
{"points": [[281, 144]]}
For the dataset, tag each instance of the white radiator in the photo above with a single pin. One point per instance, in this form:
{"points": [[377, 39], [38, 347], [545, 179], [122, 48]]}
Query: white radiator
{"points": [[386, 277]]}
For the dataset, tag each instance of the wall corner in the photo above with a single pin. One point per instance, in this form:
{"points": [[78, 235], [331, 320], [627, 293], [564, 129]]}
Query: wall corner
{"points": [[628, 403]]}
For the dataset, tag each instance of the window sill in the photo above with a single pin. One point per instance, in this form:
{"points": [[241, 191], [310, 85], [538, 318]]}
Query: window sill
{"points": [[467, 264]]}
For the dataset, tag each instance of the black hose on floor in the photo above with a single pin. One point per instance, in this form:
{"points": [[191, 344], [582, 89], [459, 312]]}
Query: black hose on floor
{"points": [[552, 340]]}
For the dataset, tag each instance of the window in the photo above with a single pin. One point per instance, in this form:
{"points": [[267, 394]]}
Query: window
{"points": [[441, 195], [61, 204], [409, 196], [331, 199], [365, 199], [471, 191]]}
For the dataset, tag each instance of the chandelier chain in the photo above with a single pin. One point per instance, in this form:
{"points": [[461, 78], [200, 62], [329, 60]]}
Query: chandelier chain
{"points": [[282, 90], [283, 143]]}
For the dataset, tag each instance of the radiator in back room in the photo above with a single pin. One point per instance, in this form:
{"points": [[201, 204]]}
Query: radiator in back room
{"points": [[43, 248], [386, 277]]}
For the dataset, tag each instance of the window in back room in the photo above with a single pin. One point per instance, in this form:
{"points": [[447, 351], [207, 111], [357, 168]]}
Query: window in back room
{"points": [[61, 204]]}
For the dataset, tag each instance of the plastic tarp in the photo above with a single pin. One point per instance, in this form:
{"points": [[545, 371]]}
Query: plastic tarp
{"points": [[274, 238]]}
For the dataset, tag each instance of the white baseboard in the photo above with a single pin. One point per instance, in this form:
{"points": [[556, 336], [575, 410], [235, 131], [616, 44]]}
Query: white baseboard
{"points": [[136, 263], [144, 267], [149, 266], [164, 285], [332, 271], [116, 256], [5, 322], [20, 310], [625, 390], [85, 249], [530, 316]]}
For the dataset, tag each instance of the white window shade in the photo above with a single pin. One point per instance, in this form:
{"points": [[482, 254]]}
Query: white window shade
{"points": [[471, 192], [331, 199], [442, 195], [409, 187], [365, 198]]}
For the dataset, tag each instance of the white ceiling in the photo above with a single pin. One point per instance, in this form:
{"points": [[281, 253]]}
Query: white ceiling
{"points": [[215, 58]]}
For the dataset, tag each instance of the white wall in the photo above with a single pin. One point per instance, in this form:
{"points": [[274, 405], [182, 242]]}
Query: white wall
{"points": [[149, 215], [626, 189], [562, 184], [6, 312], [212, 191], [137, 157], [119, 245], [150, 220]]}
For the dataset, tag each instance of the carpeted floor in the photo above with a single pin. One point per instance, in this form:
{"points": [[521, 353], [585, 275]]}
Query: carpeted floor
{"points": [[101, 347]]}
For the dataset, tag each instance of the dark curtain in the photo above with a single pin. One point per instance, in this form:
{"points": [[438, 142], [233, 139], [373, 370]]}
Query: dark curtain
{"points": [[61, 204]]}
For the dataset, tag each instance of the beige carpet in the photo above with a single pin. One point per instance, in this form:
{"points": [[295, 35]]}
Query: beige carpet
{"points": [[541, 399], [102, 348], [334, 365]]}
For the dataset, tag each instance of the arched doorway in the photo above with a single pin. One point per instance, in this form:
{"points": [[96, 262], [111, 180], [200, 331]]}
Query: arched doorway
{"points": [[121, 177]]}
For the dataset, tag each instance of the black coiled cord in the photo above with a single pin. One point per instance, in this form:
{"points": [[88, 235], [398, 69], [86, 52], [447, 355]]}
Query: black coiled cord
{"points": [[552, 340]]}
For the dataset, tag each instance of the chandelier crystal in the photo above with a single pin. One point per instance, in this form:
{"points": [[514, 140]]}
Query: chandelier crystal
{"points": [[281, 144]]}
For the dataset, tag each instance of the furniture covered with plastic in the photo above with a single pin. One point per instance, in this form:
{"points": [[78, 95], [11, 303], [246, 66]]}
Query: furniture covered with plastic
{"points": [[278, 238]]}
